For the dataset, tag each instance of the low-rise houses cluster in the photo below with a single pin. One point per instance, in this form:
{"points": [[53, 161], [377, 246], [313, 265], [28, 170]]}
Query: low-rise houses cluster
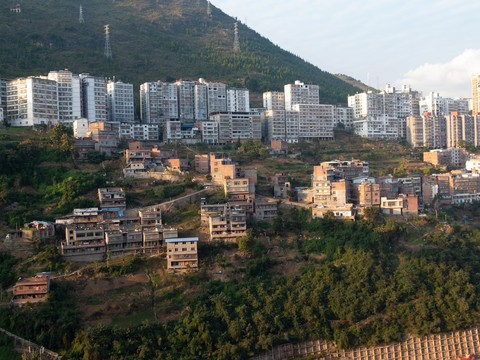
{"points": [[91, 234], [344, 188], [227, 222], [142, 160]]}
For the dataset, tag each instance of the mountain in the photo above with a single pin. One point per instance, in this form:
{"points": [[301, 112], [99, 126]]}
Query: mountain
{"points": [[150, 40], [355, 82]]}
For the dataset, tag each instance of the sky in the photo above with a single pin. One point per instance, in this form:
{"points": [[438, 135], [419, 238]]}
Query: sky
{"points": [[430, 45]]}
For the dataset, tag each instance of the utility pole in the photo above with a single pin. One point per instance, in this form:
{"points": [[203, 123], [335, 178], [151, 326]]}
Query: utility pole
{"points": [[108, 48]]}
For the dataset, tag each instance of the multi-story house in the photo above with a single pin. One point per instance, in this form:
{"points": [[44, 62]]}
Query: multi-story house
{"points": [[31, 290], [182, 254], [112, 198]]}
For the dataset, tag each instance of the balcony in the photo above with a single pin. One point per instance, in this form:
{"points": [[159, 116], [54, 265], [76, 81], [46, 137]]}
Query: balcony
{"points": [[30, 290], [79, 245]]}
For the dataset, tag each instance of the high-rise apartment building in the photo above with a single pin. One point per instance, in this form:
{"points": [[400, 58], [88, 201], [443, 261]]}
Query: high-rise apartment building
{"points": [[120, 102], [476, 93], [315, 121], [415, 131], [461, 128], [69, 95], [158, 101], [234, 126], [343, 116], [436, 105], [434, 131], [186, 101], [238, 100], [3, 99], [275, 125], [391, 102], [274, 100], [32, 101], [300, 93], [201, 108], [216, 97], [94, 98], [378, 127]]}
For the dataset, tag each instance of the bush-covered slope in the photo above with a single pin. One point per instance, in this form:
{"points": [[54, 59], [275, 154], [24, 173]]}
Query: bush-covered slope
{"points": [[150, 40]]}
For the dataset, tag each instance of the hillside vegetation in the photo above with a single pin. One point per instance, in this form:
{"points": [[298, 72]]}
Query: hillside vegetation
{"points": [[151, 40]]}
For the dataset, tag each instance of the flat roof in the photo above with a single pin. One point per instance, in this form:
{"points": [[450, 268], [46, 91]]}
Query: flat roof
{"points": [[172, 240]]}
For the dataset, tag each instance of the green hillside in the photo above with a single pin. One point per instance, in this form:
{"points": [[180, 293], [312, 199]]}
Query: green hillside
{"points": [[151, 40]]}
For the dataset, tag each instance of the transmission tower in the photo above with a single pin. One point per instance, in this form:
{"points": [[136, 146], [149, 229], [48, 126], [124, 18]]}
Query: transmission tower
{"points": [[209, 9], [108, 48], [81, 20], [236, 42]]}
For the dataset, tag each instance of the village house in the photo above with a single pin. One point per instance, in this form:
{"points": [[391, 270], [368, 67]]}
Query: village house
{"points": [[31, 290]]}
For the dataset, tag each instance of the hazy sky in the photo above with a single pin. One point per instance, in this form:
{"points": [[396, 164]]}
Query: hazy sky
{"points": [[431, 45]]}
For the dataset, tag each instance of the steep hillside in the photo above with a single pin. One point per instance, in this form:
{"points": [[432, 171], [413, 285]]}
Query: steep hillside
{"points": [[162, 39]]}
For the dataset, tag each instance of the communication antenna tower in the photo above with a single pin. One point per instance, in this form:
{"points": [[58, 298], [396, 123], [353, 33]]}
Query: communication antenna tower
{"points": [[236, 42], [108, 48], [81, 20], [209, 9]]}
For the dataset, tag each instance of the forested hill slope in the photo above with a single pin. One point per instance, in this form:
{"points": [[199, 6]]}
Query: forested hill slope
{"points": [[151, 40]]}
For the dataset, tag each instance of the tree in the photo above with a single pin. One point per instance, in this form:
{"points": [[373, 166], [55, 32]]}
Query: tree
{"points": [[372, 214], [245, 243]]}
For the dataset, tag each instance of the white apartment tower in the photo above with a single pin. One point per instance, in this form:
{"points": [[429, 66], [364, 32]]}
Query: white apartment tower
{"points": [[3, 98], [216, 97], [436, 105], [434, 131], [238, 100], [201, 103], [234, 126], [120, 102], [94, 98], [461, 128], [69, 95], [343, 116], [186, 101], [274, 100], [299, 93], [392, 103], [315, 121], [32, 101], [158, 101]]}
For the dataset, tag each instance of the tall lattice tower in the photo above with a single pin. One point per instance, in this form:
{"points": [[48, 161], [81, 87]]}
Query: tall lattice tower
{"points": [[236, 42], [209, 9], [108, 48], [81, 20]]}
